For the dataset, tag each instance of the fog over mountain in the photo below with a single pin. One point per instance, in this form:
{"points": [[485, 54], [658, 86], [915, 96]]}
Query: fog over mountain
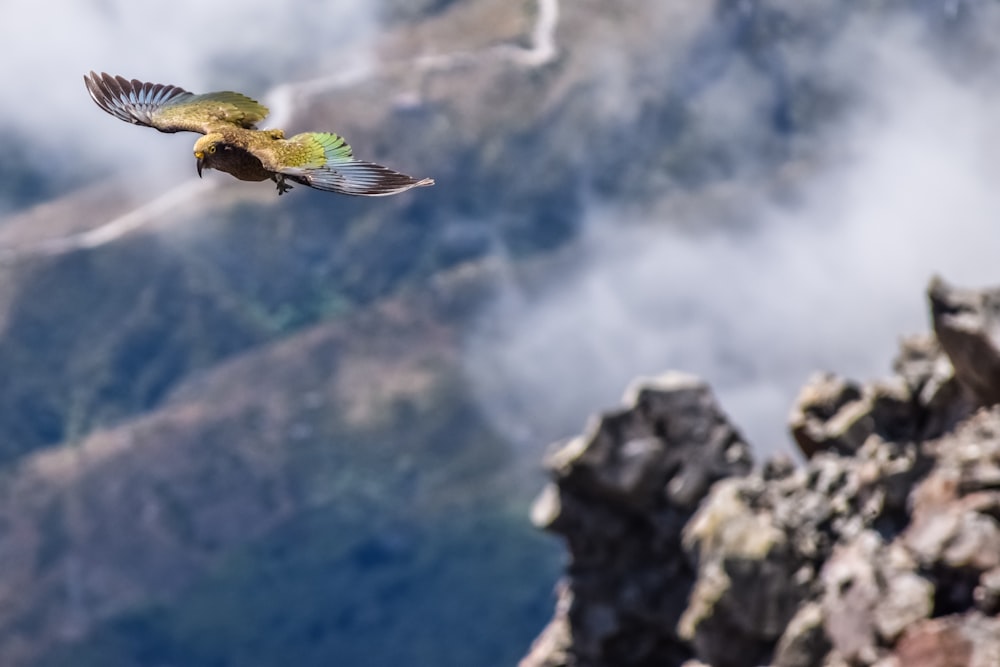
{"points": [[901, 186], [321, 409]]}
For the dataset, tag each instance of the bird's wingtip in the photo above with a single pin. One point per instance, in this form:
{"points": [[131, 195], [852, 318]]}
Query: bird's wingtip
{"points": [[96, 76], [424, 182]]}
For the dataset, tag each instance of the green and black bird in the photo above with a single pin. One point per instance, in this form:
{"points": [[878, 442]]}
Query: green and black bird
{"points": [[233, 144]]}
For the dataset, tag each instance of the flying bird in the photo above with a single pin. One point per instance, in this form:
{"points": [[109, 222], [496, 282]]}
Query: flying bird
{"points": [[233, 144]]}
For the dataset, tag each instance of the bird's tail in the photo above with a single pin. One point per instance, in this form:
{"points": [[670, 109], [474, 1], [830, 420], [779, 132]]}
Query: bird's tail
{"points": [[339, 171]]}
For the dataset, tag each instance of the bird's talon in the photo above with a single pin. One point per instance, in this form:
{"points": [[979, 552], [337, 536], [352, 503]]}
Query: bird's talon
{"points": [[282, 186]]}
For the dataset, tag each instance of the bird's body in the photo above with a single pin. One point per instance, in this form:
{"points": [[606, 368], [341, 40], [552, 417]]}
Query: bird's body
{"points": [[241, 163], [233, 154], [233, 144]]}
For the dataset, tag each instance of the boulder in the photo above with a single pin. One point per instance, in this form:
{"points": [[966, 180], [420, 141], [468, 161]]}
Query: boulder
{"points": [[882, 548]]}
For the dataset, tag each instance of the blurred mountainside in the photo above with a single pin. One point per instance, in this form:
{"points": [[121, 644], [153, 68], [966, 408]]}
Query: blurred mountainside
{"points": [[239, 430]]}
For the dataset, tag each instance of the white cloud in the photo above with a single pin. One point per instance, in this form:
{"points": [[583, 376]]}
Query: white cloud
{"points": [[248, 45], [907, 185]]}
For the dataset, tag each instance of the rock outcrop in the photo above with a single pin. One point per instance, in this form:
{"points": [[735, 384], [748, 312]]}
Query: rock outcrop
{"points": [[883, 548]]}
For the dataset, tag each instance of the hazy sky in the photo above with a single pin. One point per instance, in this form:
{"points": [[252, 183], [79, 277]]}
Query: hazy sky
{"points": [[201, 46], [908, 185]]}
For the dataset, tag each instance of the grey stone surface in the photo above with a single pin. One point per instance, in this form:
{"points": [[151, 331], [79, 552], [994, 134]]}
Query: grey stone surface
{"points": [[621, 495], [882, 548], [967, 323]]}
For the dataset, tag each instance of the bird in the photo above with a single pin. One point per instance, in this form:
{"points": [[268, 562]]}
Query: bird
{"points": [[232, 142]]}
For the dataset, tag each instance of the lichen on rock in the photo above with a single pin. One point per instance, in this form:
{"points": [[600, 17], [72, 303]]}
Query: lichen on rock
{"points": [[882, 548]]}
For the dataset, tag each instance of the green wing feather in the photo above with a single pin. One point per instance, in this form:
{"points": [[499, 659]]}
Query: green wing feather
{"points": [[171, 108], [325, 161]]}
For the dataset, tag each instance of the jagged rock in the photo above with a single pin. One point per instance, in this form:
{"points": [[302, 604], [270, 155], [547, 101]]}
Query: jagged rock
{"points": [[551, 648], [872, 593], [669, 445], [924, 400], [967, 323], [851, 591], [969, 640], [882, 550], [935, 643], [750, 579], [834, 414], [908, 597], [940, 400], [987, 593], [803, 639], [621, 495], [830, 414]]}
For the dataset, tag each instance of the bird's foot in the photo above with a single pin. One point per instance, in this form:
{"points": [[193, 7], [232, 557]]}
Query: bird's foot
{"points": [[282, 186]]}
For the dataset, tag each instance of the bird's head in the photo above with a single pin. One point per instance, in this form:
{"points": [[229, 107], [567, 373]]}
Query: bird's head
{"points": [[205, 148]]}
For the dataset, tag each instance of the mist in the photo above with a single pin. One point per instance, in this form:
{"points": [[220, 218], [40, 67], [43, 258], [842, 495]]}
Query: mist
{"points": [[247, 46], [902, 186]]}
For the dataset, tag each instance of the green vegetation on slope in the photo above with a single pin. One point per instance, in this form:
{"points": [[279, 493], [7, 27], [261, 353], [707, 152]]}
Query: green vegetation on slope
{"points": [[402, 545], [469, 588]]}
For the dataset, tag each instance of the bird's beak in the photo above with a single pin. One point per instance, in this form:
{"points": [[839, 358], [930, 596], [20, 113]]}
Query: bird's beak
{"points": [[201, 161]]}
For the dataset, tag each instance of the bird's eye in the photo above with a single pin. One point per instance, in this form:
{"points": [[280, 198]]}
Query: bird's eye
{"points": [[211, 149]]}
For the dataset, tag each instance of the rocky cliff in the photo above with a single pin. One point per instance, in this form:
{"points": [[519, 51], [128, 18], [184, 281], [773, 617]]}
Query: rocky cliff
{"points": [[882, 548]]}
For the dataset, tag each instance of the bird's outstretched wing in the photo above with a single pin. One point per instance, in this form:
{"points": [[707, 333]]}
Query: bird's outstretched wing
{"points": [[170, 108], [325, 161]]}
